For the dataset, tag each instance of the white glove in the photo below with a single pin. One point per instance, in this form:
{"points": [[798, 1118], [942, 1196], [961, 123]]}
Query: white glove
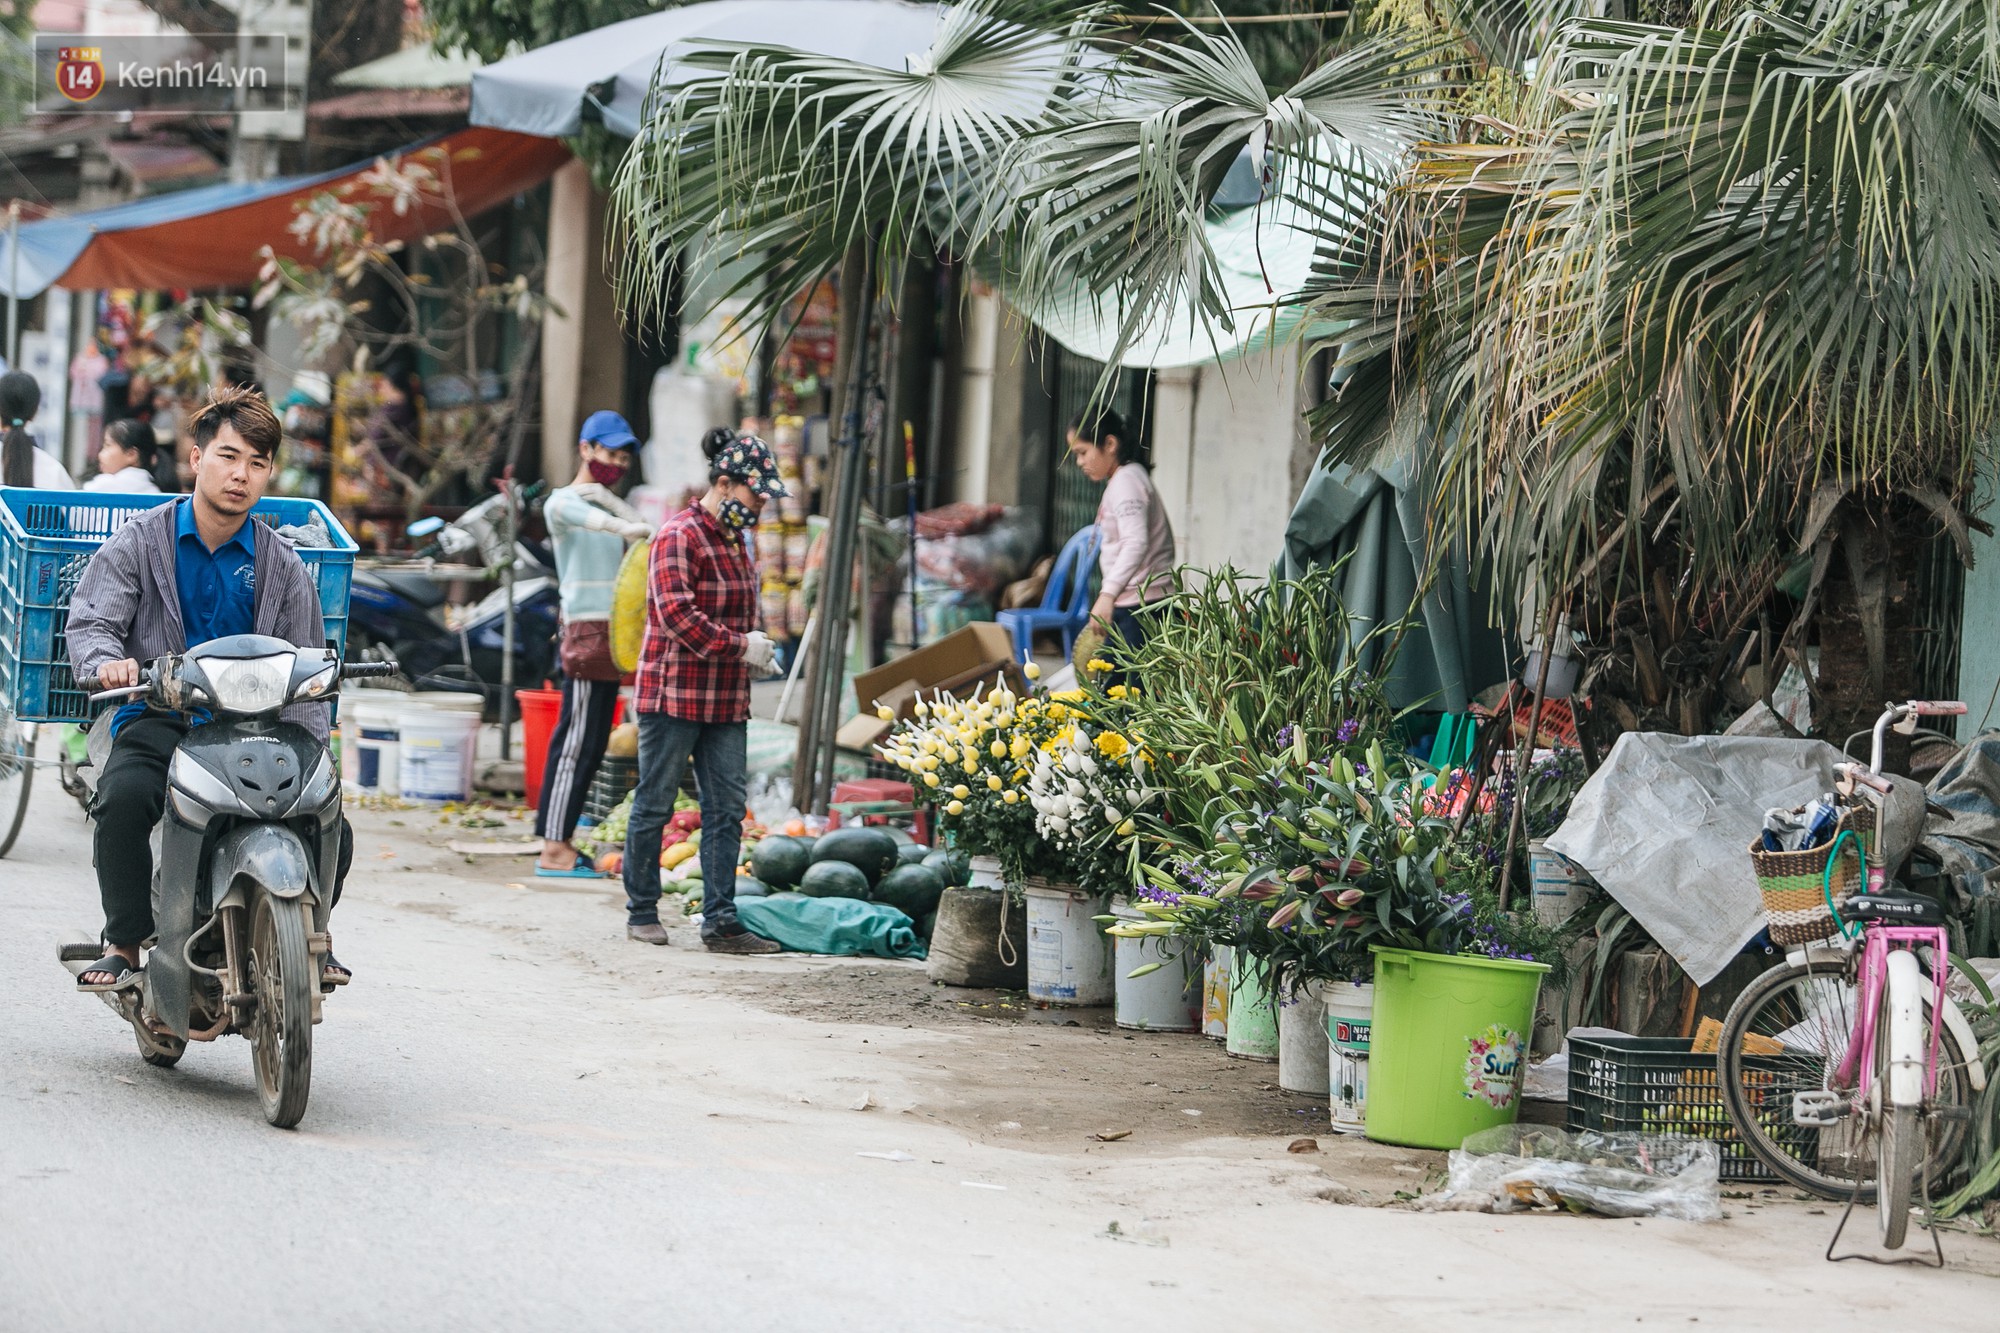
{"points": [[636, 532], [759, 651]]}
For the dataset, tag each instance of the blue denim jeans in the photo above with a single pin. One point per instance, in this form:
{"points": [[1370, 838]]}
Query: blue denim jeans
{"points": [[719, 755]]}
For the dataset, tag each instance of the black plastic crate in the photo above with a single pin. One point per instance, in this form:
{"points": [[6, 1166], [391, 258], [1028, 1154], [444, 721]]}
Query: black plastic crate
{"points": [[1658, 1085], [615, 777]]}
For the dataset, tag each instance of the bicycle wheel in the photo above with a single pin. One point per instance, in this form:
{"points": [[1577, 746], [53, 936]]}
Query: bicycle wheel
{"points": [[1798, 1022], [17, 774], [1901, 1138]]}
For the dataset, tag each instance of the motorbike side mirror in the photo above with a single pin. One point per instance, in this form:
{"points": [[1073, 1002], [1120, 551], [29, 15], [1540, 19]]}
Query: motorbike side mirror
{"points": [[425, 527]]}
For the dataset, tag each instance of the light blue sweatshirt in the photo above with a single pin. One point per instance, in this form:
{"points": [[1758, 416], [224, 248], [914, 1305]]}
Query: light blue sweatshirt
{"points": [[587, 523]]}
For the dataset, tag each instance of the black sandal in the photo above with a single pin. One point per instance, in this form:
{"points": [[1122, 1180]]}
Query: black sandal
{"points": [[123, 974], [333, 973]]}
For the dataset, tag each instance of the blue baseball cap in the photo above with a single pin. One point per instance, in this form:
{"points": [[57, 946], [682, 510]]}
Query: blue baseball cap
{"points": [[607, 430]]}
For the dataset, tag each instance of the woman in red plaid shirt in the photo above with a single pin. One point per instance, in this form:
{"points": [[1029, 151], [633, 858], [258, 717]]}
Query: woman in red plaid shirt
{"points": [[700, 649]]}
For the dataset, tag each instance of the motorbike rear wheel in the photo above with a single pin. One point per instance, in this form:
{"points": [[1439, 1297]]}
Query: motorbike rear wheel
{"points": [[281, 977]]}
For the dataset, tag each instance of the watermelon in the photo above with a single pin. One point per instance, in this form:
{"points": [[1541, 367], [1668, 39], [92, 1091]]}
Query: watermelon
{"points": [[902, 836], [912, 890], [780, 861], [746, 887], [927, 928], [912, 853], [834, 879], [870, 850], [953, 867]]}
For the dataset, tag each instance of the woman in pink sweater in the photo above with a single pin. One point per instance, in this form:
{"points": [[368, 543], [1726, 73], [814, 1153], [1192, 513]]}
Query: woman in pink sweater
{"points": [[1138, 548]]}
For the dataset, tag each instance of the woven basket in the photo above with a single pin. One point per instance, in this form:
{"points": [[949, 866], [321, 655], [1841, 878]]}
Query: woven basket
{"points": [[1794, 883]]}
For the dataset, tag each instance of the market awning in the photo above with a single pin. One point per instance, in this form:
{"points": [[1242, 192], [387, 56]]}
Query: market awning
{"points": [[211, 237], [610, 69]]}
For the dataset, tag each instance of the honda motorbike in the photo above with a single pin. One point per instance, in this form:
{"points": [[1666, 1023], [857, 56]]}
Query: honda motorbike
{"points": [[244, 862], [397, 613]]}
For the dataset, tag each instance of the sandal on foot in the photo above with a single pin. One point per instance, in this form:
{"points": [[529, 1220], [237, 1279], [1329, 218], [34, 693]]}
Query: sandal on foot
{"points": [[333, 972], [123, 974], [584, 868]]}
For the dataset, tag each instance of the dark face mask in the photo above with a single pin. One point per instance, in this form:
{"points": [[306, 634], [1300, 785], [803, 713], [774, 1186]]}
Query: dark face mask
{"points": [[737, 516], [606, 474]]}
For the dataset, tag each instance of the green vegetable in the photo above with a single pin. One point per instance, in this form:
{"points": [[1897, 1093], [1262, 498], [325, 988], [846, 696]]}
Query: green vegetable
{"points": [[912, 890], [834, 879], [780, 861], [870, 850]]}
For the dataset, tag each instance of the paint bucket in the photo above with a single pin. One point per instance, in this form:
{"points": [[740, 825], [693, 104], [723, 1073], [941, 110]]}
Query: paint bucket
{"points": [[1349, 1008], [1561, 886], [439, 746], [1069, 956], [1215, 993], [376, 718], [1165, 999], [1449, 1045], [1302, 1053], [1253, 1018]]}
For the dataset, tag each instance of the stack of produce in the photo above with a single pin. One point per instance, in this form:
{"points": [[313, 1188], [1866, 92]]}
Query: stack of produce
{"points": [[782, 539], [882, 865]]}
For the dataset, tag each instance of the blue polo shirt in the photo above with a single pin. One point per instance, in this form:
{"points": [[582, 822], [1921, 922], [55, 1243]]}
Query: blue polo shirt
{"points": [[217, 589]]}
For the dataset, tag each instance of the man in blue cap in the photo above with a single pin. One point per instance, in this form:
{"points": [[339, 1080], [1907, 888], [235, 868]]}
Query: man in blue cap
{"points": [[590, 527]]}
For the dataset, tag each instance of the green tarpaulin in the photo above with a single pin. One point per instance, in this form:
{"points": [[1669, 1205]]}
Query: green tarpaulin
{"points": [[1373, 519], [831, 925]]}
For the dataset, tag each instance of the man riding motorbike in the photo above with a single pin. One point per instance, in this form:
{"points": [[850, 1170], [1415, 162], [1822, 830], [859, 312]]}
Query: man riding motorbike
{"points": [[174, 577]]}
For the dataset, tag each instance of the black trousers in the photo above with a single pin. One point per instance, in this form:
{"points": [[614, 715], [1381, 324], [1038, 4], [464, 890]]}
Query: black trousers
{"points": [[575, 751], [131, 797]]}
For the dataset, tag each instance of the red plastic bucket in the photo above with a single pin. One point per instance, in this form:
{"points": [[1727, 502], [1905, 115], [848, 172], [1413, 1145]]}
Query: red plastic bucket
{"points": [[540, 711]]}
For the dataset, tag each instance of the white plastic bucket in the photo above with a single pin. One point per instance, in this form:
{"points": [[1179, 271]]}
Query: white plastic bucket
{"points": [[438, 750], [1215, 993], [986, 873], [1303, 1052], [1165, 999], [450, 701], [350, 741], [1560, 885], [1069, 955], [1349, 1010], [377, 720]]}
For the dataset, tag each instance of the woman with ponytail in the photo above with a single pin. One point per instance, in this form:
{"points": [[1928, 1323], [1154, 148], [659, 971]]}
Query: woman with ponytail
{"points": [[21, 463], [127, 459]]}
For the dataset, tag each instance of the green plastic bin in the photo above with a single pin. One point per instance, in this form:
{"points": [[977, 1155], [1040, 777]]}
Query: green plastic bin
{"points": [[1449, 1045]]}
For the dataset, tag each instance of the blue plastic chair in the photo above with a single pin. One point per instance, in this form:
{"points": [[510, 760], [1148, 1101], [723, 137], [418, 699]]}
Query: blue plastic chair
{"points": [[1065, 602]]}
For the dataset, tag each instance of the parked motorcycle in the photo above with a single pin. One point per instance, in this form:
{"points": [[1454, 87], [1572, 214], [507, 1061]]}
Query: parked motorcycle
{"points": [[398, 613], [244, 862]]}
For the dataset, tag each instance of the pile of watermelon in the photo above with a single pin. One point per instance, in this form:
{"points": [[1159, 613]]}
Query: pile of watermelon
{"points": [[875, 864]]}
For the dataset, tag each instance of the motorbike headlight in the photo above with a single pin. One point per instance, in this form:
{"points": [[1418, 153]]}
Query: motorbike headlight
{"points": [[250, 684]]}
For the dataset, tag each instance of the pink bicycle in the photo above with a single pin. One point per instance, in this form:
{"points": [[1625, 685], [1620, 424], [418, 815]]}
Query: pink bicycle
{"points": [[1849, 1071]]}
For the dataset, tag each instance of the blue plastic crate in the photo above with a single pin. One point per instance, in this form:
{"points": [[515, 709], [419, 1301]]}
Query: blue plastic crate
{"points": [[46, 540]]}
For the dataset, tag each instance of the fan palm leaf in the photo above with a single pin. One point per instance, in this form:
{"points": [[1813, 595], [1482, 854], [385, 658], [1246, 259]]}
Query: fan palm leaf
{"points": [[773, 169]]}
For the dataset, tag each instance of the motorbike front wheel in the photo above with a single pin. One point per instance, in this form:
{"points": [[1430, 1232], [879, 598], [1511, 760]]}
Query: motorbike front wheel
{"points": [[281, 977]]}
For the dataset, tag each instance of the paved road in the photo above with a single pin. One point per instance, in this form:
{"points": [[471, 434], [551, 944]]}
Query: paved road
{"points": [[503, 1137]]}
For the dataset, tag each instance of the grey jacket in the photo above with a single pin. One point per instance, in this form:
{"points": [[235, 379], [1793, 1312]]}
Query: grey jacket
{"points": [[128, 602]]}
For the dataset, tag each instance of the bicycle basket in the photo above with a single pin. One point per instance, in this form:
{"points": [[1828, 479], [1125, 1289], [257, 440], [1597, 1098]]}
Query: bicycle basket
{"points": [[1794, 883]]}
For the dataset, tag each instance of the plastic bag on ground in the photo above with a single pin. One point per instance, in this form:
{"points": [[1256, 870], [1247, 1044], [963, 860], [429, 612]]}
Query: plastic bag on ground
{"points": [[1537, 1168]]}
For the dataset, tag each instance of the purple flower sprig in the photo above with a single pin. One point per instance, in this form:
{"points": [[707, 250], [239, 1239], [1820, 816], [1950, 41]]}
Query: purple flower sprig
{"points": [[1348, 730]]}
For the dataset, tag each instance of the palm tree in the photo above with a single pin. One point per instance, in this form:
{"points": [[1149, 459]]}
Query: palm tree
{"points": [[1719, 306], [788, 165]]}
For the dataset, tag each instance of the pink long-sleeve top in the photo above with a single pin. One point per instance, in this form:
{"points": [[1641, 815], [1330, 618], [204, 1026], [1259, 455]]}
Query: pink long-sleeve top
{"points": [[1138, 541]]}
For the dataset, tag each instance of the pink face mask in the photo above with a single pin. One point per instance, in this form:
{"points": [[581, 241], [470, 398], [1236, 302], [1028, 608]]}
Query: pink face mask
{"points": [[606, 474]]}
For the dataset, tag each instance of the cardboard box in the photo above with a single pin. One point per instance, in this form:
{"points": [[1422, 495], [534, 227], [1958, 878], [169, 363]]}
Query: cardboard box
{"points": [[963, 663]]}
